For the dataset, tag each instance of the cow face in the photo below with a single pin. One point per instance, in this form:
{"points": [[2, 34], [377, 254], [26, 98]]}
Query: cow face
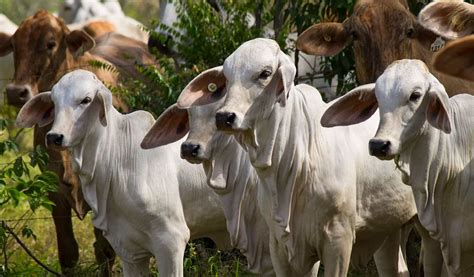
{"points": [[75, 106], [381, 32], [199, 101], [408, 97], [258, 76], [42, 49]]}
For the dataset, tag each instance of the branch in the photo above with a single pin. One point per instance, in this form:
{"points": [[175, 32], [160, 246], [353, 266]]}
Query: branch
{"points": [[278, 17], [9, 230]]}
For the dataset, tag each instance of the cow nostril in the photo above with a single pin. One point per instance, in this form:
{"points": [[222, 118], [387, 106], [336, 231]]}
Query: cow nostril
{"points": [[24, 93], [56, 139], [379, 147], [385, 147], [195, 150], [230, 119]]}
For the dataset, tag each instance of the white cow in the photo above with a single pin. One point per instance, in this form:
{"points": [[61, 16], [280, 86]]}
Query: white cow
{"points": [[6, 62], [327, 195], [228, 171], [137, 196], [78, 13], [431, 137]]}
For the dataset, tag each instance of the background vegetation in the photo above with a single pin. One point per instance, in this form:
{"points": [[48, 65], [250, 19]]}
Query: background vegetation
{"points": [[210, 36]]}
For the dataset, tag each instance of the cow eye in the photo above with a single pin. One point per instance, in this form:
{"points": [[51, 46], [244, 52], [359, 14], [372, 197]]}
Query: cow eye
{"points": [[415, 96], [410, 32], [354, 35], [86, 100], [265, 74], [50, 45]]}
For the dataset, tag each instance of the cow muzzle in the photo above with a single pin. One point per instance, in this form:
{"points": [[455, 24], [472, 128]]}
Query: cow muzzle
{"points": [[55, 141], [381, 149], [18, 95], [191, 152], [225, 121]]}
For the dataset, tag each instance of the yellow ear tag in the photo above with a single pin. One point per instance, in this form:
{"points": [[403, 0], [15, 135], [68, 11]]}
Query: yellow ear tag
{"points": [[212, 87]]}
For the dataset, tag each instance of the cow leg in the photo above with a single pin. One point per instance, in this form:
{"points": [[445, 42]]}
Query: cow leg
{"points": [[431, 253], [136, 269], [104, 254], [169, 248], [389, 257], [279, 258], [68, 250], [337, 247]]}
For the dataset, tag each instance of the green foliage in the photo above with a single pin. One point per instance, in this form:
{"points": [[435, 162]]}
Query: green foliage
{"points": [[19, 183]]}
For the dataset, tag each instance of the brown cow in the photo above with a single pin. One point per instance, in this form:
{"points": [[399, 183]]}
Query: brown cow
{"points": [[381, 31], [44, 50]]}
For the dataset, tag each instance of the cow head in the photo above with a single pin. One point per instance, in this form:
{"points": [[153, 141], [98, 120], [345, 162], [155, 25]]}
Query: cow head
{"points": [[174, 123], [381, 31], [408, 96], [75, 105], [258, 76], [42, 49]]}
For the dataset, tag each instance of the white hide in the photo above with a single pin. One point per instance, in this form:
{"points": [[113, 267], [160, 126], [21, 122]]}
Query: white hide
{"points": [[78, 13], [328, 196], [137, 196], [439, 166], [6, 62]]}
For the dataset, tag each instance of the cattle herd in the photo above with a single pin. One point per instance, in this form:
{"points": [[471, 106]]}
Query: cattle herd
{"points": [[252, 161]]}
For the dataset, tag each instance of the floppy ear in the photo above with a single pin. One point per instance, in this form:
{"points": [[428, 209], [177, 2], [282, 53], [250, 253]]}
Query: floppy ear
{"points": [[450, 19], [356, 106], [5, 44], [79, 42], [323, 39], [38, 110], [457, 59], [283, 79], [105, 99], [207, 87], [171, 126], [437, 111]]}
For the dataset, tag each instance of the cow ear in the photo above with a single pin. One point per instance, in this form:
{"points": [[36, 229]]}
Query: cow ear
{"points": [[356, 106], [283, 79], [79, 42], [39, 110], [104, 97], [437, 111], [207, 87], [457, 59], [5, 44], [450, 19], [171, 126], [323, 39]]}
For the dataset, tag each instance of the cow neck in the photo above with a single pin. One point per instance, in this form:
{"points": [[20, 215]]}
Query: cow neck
{"points": [[94, 160], [440, 165], [230, 168], [283, 151]]}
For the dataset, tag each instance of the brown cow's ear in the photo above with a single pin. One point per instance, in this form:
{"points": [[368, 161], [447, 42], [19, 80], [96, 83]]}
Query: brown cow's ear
{"points": [[437, 111], [457, 59], [79, 42], [450, 19], [356, 106], [38, 110], [171, 126], [323, 39], [206, 88], [5, 44]]}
